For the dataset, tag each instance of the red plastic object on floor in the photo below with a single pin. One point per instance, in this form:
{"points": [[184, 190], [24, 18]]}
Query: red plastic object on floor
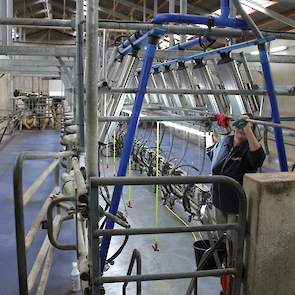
{"points": [[129, 205], [222, 120], [156, 247]]}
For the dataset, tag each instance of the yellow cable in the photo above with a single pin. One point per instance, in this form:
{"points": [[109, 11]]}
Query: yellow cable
{"points": [[107, 154], [129, 187], [181, 220], [157, 174], [114, 153]]}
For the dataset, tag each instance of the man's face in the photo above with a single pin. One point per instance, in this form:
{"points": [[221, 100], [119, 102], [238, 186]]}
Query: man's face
{"points": [[240, 135]]}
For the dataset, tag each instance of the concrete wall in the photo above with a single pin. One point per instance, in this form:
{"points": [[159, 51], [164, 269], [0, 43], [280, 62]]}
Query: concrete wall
{"points": [[31, 84], [270, 265], [5, 93], [56, 87]]}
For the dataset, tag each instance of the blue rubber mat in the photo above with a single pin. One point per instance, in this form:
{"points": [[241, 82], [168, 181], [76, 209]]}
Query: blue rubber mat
{"points": [[59, 279]]}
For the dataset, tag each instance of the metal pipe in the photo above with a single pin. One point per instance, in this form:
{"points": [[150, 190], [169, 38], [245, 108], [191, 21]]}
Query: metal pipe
{"points": [[79, 179], [171, 10], [200, 20], [50, 231], [92, 130], [136, 257], [183, 10], [164, 276], [91, 88], [157, 118], [165, 230], [27, 196], [290, 92], [183, 29], [224, 8], [37, 22], [38, 51], [80, 74], [195, 41], [127, 149], [19, 211]]}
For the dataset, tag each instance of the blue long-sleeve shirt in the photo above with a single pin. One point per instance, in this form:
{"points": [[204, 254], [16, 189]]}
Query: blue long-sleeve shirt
{"points": [[233, 162]]}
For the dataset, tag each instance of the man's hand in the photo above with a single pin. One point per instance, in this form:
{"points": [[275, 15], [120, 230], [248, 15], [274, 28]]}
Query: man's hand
{"points": [[248, 127]]}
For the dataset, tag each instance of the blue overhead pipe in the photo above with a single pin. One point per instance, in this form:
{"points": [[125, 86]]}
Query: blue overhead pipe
{"points": [[269, 85], [196, 41], [224, 8], [209, 21], [224, 14], [224, 49], [130, 135]]}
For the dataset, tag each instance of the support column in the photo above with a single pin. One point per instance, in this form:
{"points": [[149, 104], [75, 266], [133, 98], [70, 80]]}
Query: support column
{"points": [[270, 267], [3, 29], [171, 10], [183, 10]]}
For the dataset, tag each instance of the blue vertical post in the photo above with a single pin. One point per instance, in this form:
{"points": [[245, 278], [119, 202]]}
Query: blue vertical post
{"points": [[129, 139], [275, 113], [224, 8]]}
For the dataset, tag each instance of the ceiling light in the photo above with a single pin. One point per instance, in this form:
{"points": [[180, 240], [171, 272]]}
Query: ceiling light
{"points": [[273, 49], [176, 126]]}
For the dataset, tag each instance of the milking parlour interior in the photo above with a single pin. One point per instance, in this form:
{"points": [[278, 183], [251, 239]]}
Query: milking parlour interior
{"points": [[147, 147]]}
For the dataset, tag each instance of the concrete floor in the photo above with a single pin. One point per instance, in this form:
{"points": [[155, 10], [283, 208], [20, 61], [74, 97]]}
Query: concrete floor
{"points": [[176, 251]]}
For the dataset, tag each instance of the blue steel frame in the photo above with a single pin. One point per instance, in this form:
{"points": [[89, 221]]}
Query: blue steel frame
{"points": [[275, 113], [154, 36], [216, 51]]}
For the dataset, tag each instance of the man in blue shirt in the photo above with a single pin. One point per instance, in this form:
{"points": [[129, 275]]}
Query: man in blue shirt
{"points": [[233, 156]]}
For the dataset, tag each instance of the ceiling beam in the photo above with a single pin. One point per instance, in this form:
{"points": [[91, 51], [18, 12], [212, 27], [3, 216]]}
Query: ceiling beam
{"points": [[117, 14], [31, 3], [60, 6], [135, 6], [68, 51], [48, 8], [51, 62], [273, 14], [269, 21]]}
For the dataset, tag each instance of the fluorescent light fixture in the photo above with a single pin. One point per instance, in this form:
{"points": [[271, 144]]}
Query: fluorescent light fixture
{"points": [[184, 128], [272, 50], [177, 126]]}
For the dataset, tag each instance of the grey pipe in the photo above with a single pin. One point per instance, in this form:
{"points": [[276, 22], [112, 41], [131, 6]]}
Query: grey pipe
{"points": [[165, 230], [50, 232], [188, 29], [19, 211], [164, 276], [91, 89], [157, 118], [248, 19], [80, 74], [202, 91], [37, 22]]}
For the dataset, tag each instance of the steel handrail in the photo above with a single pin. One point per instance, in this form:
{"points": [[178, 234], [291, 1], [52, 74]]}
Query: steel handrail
{"points": [[240, 227], [136, 257]]}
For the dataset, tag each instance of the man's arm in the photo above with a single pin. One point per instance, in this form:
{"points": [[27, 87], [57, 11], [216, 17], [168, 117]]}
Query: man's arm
{"points": [[254, 145], [256, 155]]}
